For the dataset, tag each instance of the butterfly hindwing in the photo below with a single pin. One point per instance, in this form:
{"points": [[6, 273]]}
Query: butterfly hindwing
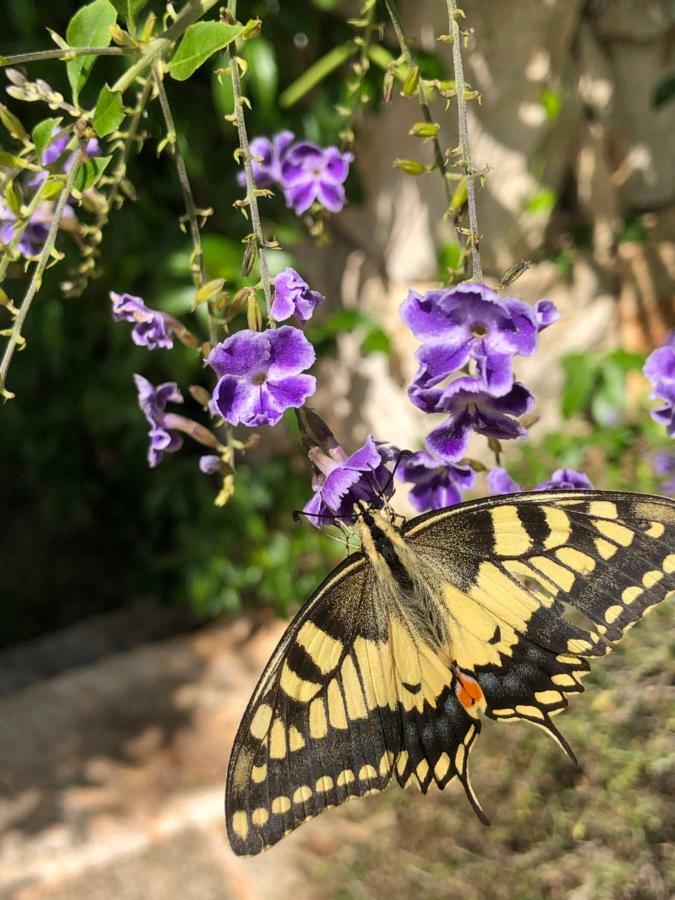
{"points": [[527, 561]]}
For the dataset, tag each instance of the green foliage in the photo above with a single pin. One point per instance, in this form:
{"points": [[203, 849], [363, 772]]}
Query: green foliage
{"points": [[129, 9], [89, 27], [199, 42], [109, 112], [42, 134]]}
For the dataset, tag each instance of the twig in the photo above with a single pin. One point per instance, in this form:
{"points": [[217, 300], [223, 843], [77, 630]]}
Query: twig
{"points": [[60, 53], [248, 167], [474, 237], [198, 267], [441, 162], [15, 338]]}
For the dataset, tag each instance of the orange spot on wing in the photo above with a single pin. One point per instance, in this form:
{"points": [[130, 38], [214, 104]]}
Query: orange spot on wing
{"points": [[469, 692]]}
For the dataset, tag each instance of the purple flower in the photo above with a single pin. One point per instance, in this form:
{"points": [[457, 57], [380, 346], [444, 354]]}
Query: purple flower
{"points": [[472, 408], [268, 156], [310, 173], [152, 328], [566, 479], [152, 400], [664, 467], [472, 322], [210, 464], [660, 370], [293, 295], [500, 482], [260, 375], [546, 313], [34, 234], [435, 483], [341, 481]]}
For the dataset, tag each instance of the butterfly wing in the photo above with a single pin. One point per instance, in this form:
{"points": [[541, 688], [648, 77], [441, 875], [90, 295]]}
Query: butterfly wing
{"points": [[347, 700], [517, 572]]}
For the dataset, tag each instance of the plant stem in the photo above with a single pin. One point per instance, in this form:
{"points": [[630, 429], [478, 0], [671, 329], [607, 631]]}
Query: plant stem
{"points": [[15, 338], [190, 13], [248, 167], [473, 239], [198, 268], [441, 162], [60, 53]]}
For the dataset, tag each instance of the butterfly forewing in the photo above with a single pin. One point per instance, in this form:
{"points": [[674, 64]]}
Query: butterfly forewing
{"points": [[526, 589], [348, 700]]}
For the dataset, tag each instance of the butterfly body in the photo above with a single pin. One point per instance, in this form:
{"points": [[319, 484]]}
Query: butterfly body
{"points": [[388, 669]]}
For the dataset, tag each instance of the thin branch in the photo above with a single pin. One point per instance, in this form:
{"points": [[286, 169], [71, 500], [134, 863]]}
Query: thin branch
{"points": [[441, 162], [60, 53], [15, 337], [198, 267], [248, 167], [474, 236]]}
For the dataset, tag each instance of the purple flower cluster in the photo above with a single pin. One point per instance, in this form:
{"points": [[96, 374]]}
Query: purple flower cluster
{"points": [[151, 329], [293, 296], [660, 370], [340, 481], [305, 172], [470, 337], [500, 482], [35, 233], [261, 376]]}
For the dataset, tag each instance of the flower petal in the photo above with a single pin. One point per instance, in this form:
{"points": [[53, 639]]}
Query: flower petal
{"points": [[244, 353], [451, 439], [292, 391], [289, 351]]}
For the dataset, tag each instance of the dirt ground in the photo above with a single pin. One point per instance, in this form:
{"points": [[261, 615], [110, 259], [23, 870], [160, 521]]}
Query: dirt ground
{"points": [[112, 789]]}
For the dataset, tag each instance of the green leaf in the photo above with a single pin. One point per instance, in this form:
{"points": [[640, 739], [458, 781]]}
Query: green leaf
{"points": [[580, 377], [91, 172], [42, 134], [609, 399], [201, 41], [263, 73], [317, 72], [129, 9], [626, 360], [89, 27], [541, 202], [109, 112], [552, 103], [10, 161], [12, 124], [376, 341], [451, 256]]}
